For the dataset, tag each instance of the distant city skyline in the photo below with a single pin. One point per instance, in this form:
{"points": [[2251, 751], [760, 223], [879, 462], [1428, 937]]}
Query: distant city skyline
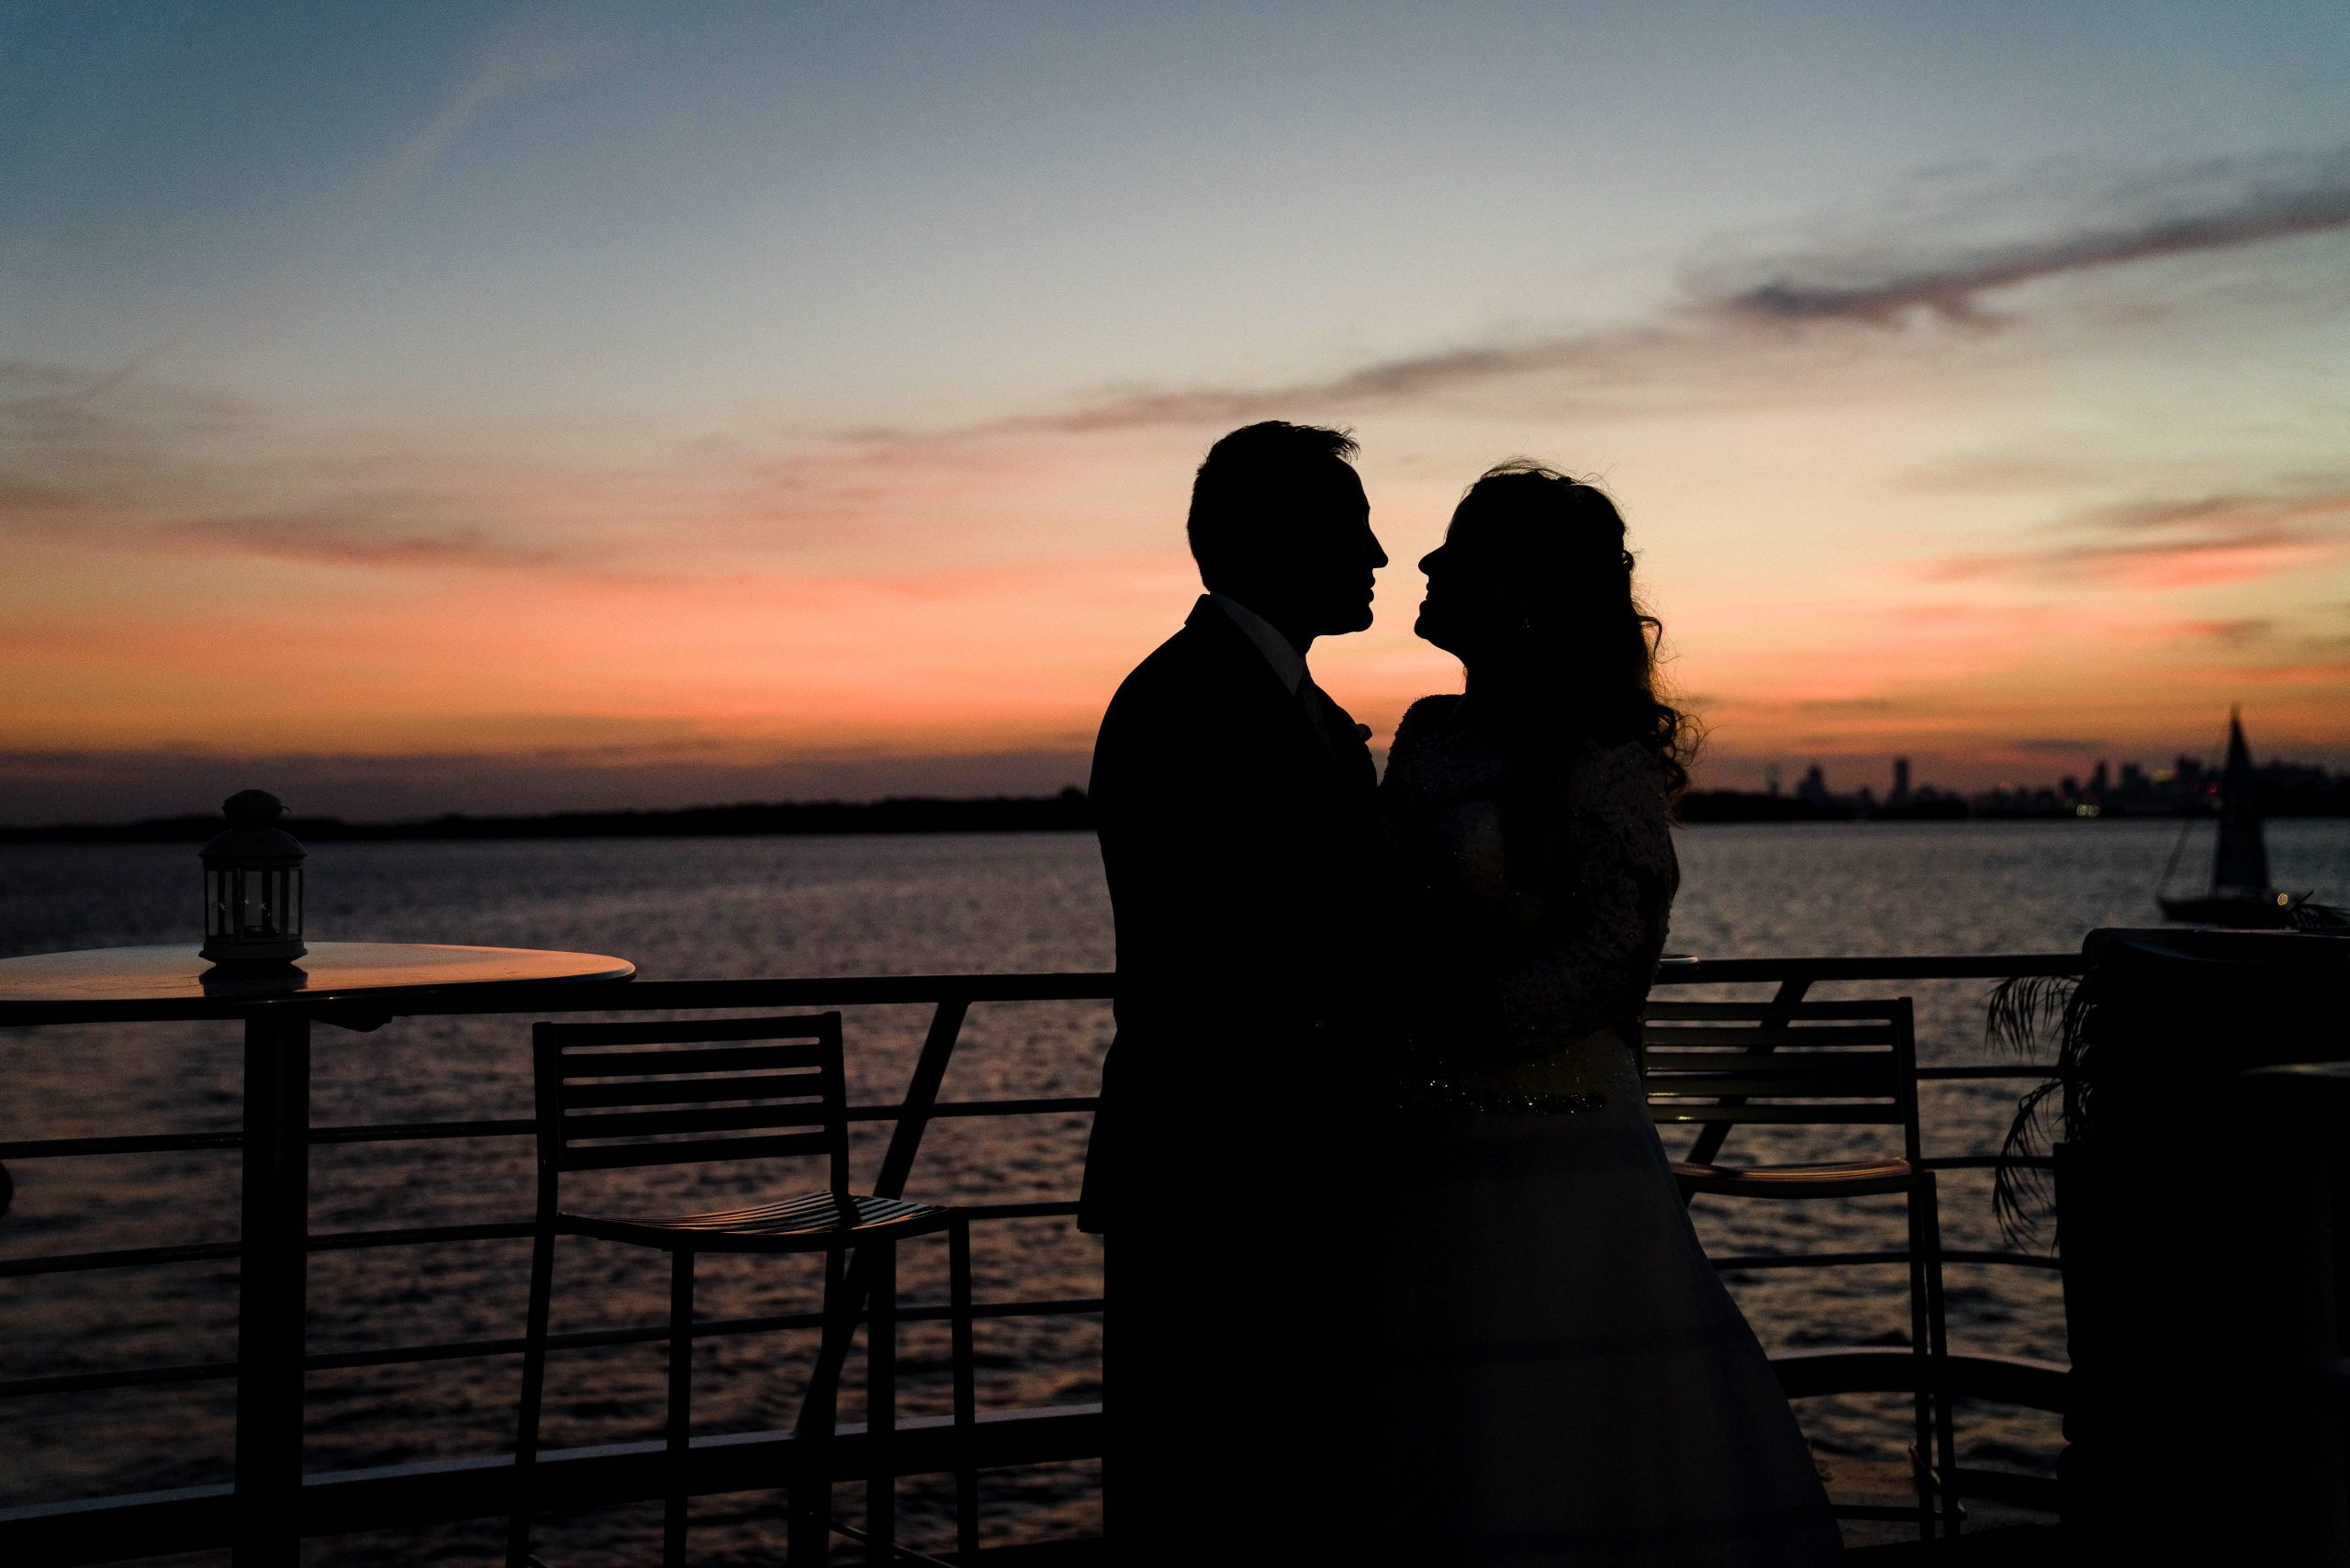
{"points": [[2106, 778], [508, 408]]}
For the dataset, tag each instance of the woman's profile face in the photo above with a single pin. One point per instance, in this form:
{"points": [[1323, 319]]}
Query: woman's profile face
{"points": [[1475, 599]]}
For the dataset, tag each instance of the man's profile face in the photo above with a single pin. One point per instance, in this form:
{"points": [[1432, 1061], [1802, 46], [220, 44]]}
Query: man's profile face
{"points": [[1336, 552]]}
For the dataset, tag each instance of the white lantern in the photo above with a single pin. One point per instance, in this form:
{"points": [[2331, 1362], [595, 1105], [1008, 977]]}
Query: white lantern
{"points": [[252, 885]]}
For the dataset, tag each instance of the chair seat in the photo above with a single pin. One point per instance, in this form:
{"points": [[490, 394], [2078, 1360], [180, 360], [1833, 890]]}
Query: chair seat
{"points": [[811, 1222], [1847, 1177]]}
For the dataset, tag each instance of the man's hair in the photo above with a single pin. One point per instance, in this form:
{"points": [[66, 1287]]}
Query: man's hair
{"points": [[1251, 482]]}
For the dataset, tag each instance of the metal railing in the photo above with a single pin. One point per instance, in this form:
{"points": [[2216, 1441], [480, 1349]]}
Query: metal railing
{"points": [[108, 1528]]}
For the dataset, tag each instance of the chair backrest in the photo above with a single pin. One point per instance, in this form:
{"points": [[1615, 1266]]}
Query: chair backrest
{"points": [[1806, 1063], [684, 1090]]}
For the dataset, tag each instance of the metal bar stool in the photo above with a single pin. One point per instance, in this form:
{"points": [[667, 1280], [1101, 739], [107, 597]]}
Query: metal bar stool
{"points": [[694, 1091], [1790, 1063]]}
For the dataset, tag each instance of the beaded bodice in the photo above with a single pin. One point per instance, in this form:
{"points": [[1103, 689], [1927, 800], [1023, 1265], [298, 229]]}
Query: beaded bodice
{"points": [[1537, 896]]}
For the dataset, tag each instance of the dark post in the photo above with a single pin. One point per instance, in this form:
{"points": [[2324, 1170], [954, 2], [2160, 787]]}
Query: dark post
{"points": [[2297, 1219], [272, 1296]]}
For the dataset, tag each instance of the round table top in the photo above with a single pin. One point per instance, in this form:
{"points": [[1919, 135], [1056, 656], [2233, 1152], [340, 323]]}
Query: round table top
{"points": [[113, 975]]}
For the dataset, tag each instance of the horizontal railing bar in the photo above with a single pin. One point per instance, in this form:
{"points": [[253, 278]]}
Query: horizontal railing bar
{"points": [[575, 1339], [336, 1241], [1034, 1208], [2002, 1258], [1033, 1107], [1987, 1162], [125, 1258], [408, 1236], [168, 1143], [1891, 1369], [1893, 1255], [394, 1132], [1806, 1260], [417, 1235], [1939, 965], [1990, 1069], [128, 1143], [716, 1328], [402, 1131], [137, 1377], [513, 1127]]}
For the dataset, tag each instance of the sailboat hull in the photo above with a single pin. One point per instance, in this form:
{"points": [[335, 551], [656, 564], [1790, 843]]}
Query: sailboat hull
{"points": [[2243, 911]]}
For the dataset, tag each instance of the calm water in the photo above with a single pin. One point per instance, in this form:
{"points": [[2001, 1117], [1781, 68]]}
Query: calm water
{"points": [[843, 906]]}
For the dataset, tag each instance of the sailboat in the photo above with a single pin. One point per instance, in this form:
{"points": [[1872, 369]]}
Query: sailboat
{"points": [[2240, 893]]}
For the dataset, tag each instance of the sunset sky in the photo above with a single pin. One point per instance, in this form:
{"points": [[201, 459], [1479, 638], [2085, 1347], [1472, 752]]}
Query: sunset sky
{"points": [[428, 407]]}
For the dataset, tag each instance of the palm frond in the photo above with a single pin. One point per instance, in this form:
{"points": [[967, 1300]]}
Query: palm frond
{"points": [[2024, 1016], [2021, 1191], [2308, 915], [2024, 1011]]}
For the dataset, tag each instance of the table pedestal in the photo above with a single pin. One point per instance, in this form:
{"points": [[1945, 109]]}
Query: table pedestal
{"points": [[272, 1299]]}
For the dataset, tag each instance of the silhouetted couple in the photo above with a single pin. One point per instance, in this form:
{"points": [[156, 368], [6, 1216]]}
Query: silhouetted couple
{"points": [[1396, 1269]]}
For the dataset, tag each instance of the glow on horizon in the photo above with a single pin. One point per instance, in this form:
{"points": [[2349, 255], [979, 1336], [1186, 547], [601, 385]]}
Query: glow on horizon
{"points": [[603, 398]]}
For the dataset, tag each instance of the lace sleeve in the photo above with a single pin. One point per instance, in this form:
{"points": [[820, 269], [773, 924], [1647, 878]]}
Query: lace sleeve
{"points": [[1610, 880]]}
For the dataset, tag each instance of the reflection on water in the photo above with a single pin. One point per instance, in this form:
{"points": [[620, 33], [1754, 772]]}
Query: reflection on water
{"points": [[701, 908]]}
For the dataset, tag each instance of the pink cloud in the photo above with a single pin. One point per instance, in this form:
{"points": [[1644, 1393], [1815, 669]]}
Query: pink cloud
{"points": [[2172, 546]]}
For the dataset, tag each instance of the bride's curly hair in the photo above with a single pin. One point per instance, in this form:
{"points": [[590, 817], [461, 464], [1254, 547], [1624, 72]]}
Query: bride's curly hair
{"points": [[1592, 648]]}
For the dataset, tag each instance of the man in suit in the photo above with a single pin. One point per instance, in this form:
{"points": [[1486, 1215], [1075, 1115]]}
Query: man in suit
{"points": [[1235, 804]]}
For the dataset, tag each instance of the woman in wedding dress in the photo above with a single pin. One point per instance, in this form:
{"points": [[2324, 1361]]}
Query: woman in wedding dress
{"points": [[1562, 1377]]}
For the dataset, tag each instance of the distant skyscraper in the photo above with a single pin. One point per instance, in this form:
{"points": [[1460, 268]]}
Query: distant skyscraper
{"points": [[1771, 780], [1814, 787], [1900, 796]]}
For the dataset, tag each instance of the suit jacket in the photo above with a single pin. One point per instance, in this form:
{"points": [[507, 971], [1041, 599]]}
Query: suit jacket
{"points": [[1236, 821]]}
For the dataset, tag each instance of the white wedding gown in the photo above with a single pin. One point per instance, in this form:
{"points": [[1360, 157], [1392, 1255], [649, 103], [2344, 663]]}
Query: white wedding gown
{"points": [[1562, 1377]]}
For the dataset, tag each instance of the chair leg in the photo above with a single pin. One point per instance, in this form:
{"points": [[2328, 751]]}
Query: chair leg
{"points": [[534, 1379], [1938, 1325], [681, 1365], [881, 1407], [1110, 1469], [812, 1481], [967, 1470], [1922, 1347]]}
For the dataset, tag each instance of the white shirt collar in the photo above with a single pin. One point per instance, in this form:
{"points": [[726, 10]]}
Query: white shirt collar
{"points": [[1287, 663]]}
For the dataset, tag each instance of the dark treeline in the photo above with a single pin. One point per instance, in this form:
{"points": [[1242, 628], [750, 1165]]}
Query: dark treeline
{"points": [[1067, 811], [1070, 811]]}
